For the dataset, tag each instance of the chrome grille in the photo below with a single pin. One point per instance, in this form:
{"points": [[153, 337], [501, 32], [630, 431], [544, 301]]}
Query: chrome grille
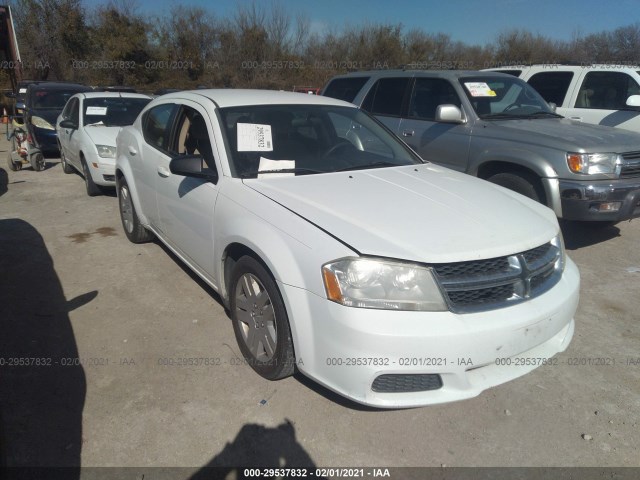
{"points": [[498, 282], [631, 166]]}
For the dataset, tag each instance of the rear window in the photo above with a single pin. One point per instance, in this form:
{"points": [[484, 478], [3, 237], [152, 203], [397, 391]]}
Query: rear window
{"points": [[345, 88], [553, 86]]}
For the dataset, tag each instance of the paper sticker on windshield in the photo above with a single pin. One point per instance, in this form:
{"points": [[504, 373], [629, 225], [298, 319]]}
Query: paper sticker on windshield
{"points": [[96, 111], [266, 164], [22, 90], [479, 89], [253, 137]]}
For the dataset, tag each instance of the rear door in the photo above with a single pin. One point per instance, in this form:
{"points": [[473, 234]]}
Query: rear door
{"points": [[387, 100], [601, 99]]}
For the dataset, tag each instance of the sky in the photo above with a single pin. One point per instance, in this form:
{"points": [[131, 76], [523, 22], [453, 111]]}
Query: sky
{"points": [[474, 22]]}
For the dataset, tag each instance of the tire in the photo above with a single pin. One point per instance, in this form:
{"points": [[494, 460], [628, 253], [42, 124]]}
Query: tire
{"points": [[92, 188], [14, 167], [260, 320], [522, 183], [66, 168], [133, 229], [38, 163]]}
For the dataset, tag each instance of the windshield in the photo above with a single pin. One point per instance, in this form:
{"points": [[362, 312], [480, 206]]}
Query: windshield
{"points": [[504, 98], [112, 111], [308, 139], [51, 99]]}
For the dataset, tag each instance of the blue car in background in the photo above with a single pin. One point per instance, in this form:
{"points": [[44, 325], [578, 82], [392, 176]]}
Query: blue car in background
{"points": [[44, 101]]}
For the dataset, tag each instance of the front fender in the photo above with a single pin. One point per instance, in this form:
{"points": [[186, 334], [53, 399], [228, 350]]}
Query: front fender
{"points": [[539, 162]]}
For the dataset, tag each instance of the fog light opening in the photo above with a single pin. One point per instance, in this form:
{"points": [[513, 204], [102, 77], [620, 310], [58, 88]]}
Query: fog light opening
{"points": [[606, 206]]}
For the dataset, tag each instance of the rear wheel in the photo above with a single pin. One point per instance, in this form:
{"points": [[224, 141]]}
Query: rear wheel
{"points": [[260, 320], [92, 188], [133, 229], [13, 166], [522, 183], [66, 168]]}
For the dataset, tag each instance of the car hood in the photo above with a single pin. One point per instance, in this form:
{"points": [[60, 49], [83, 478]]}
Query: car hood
{"points": [[424, 213], [563, 134], [103, 135]]}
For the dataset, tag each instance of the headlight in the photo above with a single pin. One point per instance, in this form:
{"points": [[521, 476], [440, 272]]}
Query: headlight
{"points": [[384, 284], [41, 123], [106, 151], [593, 163], [558, 242]]}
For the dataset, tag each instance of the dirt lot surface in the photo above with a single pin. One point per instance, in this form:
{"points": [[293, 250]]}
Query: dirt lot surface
{"points": [[72, 286]]}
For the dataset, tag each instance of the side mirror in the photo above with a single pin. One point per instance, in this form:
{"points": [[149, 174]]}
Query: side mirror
{"points": [[68, 124], [552, 106], [449, 114], [192, 166], [633, 101]]}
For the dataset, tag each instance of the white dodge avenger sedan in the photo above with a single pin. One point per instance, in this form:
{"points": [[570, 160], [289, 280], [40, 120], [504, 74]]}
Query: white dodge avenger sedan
{"points": [[343, 255]]}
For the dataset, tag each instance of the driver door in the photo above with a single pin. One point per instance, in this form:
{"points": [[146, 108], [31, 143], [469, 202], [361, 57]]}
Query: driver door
{"points": [[185, 204], [443, 143]]}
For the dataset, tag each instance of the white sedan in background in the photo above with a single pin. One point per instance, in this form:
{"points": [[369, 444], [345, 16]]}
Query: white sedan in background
{"points": [[87, 130]]}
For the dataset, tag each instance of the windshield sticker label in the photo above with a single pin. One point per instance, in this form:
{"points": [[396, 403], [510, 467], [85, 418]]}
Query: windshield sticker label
{"points": [[479, 89], [267, 164], [96, 111], [253, 137], [22, 90]]}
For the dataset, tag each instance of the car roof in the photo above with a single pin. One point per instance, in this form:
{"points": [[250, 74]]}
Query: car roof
{"points": [[245, 97], [449, 74], [59, 86], [112, 95]]}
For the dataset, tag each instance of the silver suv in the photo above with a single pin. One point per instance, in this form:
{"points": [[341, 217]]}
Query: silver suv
{"points": [[497, 127]]}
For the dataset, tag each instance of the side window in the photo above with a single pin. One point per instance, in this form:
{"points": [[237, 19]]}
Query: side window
{"points": [[427, 94], [75, 112], [345, 88], [66, 113], [606, 90], [192, 136], [157, 126], [386, 97], [552, 86]]}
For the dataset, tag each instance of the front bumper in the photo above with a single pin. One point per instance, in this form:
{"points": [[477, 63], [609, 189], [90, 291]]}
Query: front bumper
{"points": [[103, 171], [346, 349], [583, 200]]}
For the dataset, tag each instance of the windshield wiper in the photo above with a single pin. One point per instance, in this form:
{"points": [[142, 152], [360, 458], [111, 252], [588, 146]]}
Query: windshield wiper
{"points": [[545, 114], [368, 165], [253, 173], [97, 124], [500, 116]]}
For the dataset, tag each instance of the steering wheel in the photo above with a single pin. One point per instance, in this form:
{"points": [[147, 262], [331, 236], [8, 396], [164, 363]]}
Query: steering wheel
{"points": [[338, 146], [513, 106]]}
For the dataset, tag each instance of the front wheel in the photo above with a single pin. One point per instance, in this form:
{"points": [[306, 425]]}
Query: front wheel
{"points": [[133, 229], [260, 320], [38, 162], [522, 183]]}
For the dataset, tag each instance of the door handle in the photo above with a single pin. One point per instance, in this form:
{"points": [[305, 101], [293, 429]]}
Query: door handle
{"points": [[408, 133], [579, 119], [163, 172], [132, 151]]}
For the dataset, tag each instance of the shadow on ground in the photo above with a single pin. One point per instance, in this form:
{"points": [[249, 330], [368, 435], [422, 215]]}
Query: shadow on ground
{"points": [[4, 181], [583, 234], [257, 446], [43, 385]]}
